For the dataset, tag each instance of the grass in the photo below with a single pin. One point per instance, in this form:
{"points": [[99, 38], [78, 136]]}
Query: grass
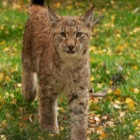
{"points": [[115, 65]]}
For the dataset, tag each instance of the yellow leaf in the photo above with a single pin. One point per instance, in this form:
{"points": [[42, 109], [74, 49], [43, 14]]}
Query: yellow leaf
{"points": [[111, 82], [107, 72], [16, 6], [3, 42], [2, 137], [130, 103], [61, 128], [1, 77], [109, 91], [13, 101], [112, 2], [92, 79], [139, 123], [91, 60], [69, 7], [6, 49], [61, 109], [122, 114], [136, 30], [135, 67], [99, 85], [137, 128], [92, 48], [136, 122], [117, 92], [57, 5], [129, 100], [103, 135], [4, 3], [51, 135], [3, 123], [19, 85], [89, 132], [7, 78], [113, 18], [136, 90], [131, 137], [120, 48]]}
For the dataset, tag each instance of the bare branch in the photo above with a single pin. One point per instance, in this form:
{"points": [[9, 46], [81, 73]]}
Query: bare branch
{"points": [[89, 3], [98, 94], [98, 19]]}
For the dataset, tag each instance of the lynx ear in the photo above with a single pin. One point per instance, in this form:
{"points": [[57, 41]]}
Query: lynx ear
{"points": [[88, 17], [54, 17]]}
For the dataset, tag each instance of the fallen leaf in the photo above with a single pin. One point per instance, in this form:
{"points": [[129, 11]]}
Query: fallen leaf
{"points": [[109, 91], [96, 118], [7, 78], [136, 90], [122, 114], [117, 92], [57, 5], [116, 106], [102, 135], [92, 79], [3, 137], [130, 103], [131, 137], [1, 77], [110, 123]]}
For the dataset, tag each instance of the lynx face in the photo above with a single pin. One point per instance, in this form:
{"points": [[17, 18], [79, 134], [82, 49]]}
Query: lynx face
{"points": [[71, 35]]}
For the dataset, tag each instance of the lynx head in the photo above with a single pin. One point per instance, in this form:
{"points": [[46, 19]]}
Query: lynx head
{"points": [[71, 35]]}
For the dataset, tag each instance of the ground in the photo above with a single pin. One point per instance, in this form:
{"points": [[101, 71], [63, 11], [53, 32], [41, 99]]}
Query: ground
{"points": [[115, 67]]}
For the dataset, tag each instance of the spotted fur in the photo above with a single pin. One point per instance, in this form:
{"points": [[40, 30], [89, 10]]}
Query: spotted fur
{"points": [[55, 49]]}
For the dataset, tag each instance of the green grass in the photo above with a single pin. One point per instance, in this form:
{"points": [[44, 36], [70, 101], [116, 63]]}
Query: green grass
{"points": [[115, 64]]}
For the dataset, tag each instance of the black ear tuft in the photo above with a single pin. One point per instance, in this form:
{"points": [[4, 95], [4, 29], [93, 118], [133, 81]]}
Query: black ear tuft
{"points": [[54, 17], [88, 17]]}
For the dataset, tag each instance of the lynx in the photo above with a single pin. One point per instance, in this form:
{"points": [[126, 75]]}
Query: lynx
{"points": [[55, 48]]}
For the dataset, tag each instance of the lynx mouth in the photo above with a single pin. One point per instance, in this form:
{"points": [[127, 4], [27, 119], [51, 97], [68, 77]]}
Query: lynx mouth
{"points": [[71, 52]]}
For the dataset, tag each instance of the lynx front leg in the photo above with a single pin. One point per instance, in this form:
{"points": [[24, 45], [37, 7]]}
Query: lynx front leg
{"points": [[78, 107], [28, 84], [48, 110]]}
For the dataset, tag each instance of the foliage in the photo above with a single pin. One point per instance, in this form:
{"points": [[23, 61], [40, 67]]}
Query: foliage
{"points": [[115, 66]]}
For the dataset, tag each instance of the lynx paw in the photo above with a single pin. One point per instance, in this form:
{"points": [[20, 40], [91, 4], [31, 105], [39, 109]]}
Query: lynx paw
{"points": [[29, 93], [51, 129]]}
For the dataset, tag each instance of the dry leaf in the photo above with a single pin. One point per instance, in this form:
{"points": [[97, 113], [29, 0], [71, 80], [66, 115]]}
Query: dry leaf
{"points": [[130, 103], [57, 5], [117, 92], [2, 137], [136, 90], [116, 106], [1, 77], [131, 137], [102, 135]]}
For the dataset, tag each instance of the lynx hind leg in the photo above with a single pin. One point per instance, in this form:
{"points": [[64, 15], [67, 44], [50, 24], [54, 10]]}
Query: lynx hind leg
{"points": [[78, 107], [29, 87]]}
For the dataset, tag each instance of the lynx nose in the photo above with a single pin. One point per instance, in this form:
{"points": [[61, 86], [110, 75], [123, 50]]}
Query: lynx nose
{"points": [[70, 47]]}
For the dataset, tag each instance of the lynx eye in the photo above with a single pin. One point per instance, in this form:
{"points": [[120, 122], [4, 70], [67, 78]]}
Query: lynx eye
{"points": [[62, 34], [78, 34]]}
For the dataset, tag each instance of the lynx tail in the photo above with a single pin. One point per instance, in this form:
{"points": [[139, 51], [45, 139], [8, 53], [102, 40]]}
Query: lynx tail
{"points": [[38, 2]]}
